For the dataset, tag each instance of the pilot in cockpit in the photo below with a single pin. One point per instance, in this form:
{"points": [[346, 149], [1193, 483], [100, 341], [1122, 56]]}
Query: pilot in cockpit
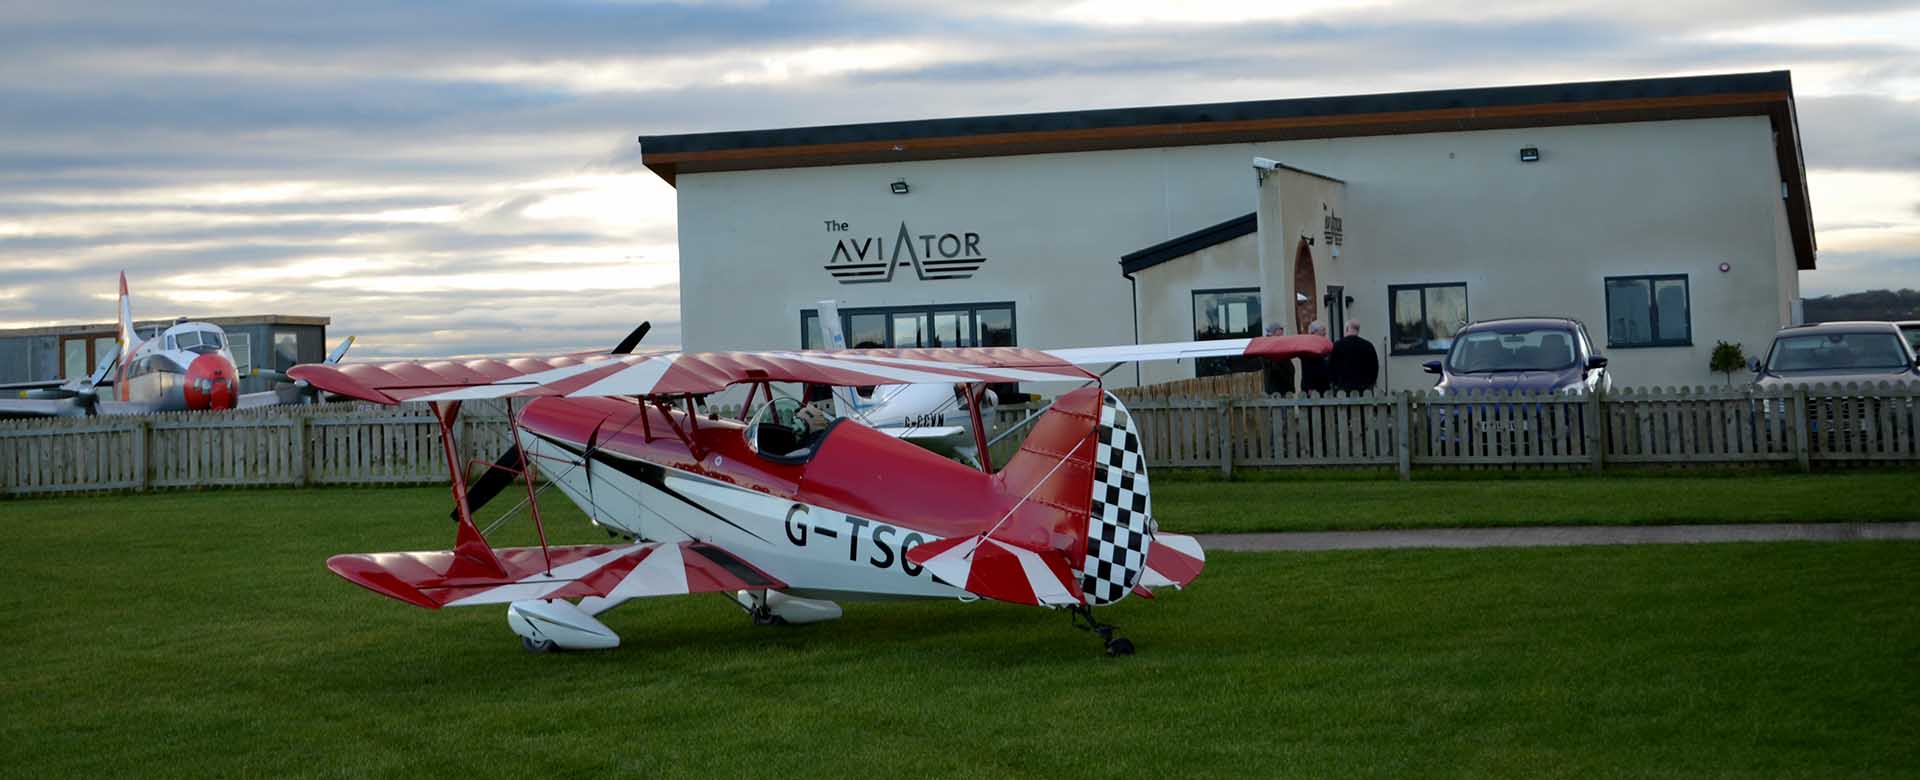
{"points": [[793, 438]]}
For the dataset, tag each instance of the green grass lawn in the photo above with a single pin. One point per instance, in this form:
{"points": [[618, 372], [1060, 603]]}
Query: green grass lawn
{"points": [[197, 634], [1306, 504]]}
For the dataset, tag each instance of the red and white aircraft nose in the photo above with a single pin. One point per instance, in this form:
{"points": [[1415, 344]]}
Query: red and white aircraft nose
{"points": [[212, 382]]}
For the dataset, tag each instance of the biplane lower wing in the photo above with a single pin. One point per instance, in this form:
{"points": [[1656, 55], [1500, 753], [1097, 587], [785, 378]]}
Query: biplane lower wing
{"points": [[613, 572]]}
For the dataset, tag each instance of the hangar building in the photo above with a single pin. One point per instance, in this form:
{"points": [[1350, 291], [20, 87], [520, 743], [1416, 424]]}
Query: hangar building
{"points": [[1666, 214]]}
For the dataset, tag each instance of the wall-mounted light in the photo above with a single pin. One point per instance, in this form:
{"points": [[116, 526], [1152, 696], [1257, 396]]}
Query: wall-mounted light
{"points": [[1529, 154], [900, 187]]}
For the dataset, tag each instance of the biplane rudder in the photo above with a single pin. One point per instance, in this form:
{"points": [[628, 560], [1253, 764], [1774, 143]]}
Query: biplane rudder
{"points": [[1083, 527]]}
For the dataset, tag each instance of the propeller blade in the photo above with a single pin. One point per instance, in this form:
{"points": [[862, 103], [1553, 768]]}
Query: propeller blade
{"points": [[106, 366], [492, 482], [340, 350], [279, 377], [626, 345]]}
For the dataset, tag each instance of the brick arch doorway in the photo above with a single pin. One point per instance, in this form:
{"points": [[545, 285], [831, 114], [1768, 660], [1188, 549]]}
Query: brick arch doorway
{"points": [[1306, 290]]}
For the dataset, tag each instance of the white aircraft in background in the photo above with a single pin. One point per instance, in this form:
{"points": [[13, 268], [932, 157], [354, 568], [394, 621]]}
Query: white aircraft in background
{"points": [[187, 367], [933, 416]]}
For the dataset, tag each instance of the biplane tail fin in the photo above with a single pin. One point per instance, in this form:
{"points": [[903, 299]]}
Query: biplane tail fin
{"points": [[1083, 530]]}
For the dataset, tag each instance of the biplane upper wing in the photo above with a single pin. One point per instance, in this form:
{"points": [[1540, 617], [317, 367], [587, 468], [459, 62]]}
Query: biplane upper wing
{"points": [[615, 572], [696, 373]]}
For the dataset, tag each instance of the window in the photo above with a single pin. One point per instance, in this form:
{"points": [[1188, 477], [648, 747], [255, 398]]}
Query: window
{"points": [[1648, 311], [996, 327], [286, 349], [1425, 317], [1524, 349], [1225, 314], [1836, 352], [74, 358], [241, 345], [963, 325], [79, 355], [950, 325]]}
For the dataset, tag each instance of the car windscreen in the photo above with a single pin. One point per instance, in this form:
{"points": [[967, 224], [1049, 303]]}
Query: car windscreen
{"points": [[1837, 352], [1487, 351]]}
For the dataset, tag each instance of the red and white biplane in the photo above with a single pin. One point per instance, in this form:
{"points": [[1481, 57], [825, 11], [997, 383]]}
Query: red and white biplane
{"points": [[786, 519]]}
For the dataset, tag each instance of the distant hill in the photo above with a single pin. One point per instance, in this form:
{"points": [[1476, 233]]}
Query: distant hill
{"points": [[1869, 305]]}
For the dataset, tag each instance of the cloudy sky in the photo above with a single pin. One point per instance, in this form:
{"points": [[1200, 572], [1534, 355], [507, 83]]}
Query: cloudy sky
{"points": [[462, 177]]}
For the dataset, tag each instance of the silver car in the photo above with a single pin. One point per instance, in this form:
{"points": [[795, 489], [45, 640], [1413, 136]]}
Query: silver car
{"points": [[1838, 352]]}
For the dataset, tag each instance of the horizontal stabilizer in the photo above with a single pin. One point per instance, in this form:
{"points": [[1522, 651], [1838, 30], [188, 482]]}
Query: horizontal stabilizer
{"points": [[1173, 560], [425, 579], [988, 567]]}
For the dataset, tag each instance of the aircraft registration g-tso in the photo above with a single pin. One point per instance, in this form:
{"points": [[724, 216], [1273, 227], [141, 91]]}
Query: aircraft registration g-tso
{"points": [[187, 367], [787, 518]]}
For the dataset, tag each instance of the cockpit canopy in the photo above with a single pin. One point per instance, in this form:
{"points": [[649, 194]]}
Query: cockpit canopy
{"points": [[196, 337]]}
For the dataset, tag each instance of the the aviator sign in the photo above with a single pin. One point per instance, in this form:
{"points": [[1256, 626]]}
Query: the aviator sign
{"points": [[874, 258]]}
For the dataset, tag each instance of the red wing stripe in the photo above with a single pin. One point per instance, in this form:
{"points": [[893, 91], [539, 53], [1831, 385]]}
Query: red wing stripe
{"points": [[603, 581]]}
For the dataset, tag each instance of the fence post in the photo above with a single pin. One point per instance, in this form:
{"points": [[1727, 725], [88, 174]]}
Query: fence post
{"points": [[1402, 436], [298, 435], [1800, 443], [1596, 423], [463, 442], [1226, 436], [139, 434]]}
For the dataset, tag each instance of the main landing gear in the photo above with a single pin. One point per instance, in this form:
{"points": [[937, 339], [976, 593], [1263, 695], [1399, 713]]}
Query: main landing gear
{"points": [[1116, 645], [773, 608]]}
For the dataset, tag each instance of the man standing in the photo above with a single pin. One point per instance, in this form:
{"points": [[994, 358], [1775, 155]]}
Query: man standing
{"points": [[1354, 363], [1279, 373], [1314, 377]]}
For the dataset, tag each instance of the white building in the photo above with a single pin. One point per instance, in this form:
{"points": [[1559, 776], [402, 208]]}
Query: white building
{"points": [[1666, 214]]}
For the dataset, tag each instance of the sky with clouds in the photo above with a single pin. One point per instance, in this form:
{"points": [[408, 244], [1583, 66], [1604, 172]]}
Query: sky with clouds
{"points": [[462, 178]]}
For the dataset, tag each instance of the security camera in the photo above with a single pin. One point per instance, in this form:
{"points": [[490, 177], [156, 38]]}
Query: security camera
{"points": [[1266, 165]]}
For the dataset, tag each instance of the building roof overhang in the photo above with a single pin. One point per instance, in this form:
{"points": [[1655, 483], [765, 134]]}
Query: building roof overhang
{"points": [[1768, 94], [1181, 246], [223, 322]]}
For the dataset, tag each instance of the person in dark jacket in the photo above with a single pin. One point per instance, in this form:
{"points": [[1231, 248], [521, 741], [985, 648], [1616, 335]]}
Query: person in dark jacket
{"points": [[1314, 377], [1354, 363], [1279, 373]]}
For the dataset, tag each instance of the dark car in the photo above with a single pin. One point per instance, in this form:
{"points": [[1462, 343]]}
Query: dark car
{"points": [[1532, 353]]}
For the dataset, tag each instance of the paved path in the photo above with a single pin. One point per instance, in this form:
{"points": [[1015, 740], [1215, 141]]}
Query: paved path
{"points": [[1561, 536]]}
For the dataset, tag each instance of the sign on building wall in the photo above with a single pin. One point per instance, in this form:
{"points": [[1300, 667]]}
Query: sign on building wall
{"points": [[933, 256]]}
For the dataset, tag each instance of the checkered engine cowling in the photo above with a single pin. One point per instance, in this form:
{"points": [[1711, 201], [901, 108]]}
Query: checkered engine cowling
{"points": [[1120, 527]]}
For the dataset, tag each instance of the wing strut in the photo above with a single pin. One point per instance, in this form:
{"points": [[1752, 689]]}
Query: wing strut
{"points": [[974, 392], [526, 476], [472, 556]]}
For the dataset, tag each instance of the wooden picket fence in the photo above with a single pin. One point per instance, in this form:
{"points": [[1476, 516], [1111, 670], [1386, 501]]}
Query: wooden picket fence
{"points": [[332, 444], [366, 444], [1838, 424]]}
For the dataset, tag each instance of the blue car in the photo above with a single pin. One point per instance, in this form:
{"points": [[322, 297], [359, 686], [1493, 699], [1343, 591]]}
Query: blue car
{"points": [[1532, 353]]}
